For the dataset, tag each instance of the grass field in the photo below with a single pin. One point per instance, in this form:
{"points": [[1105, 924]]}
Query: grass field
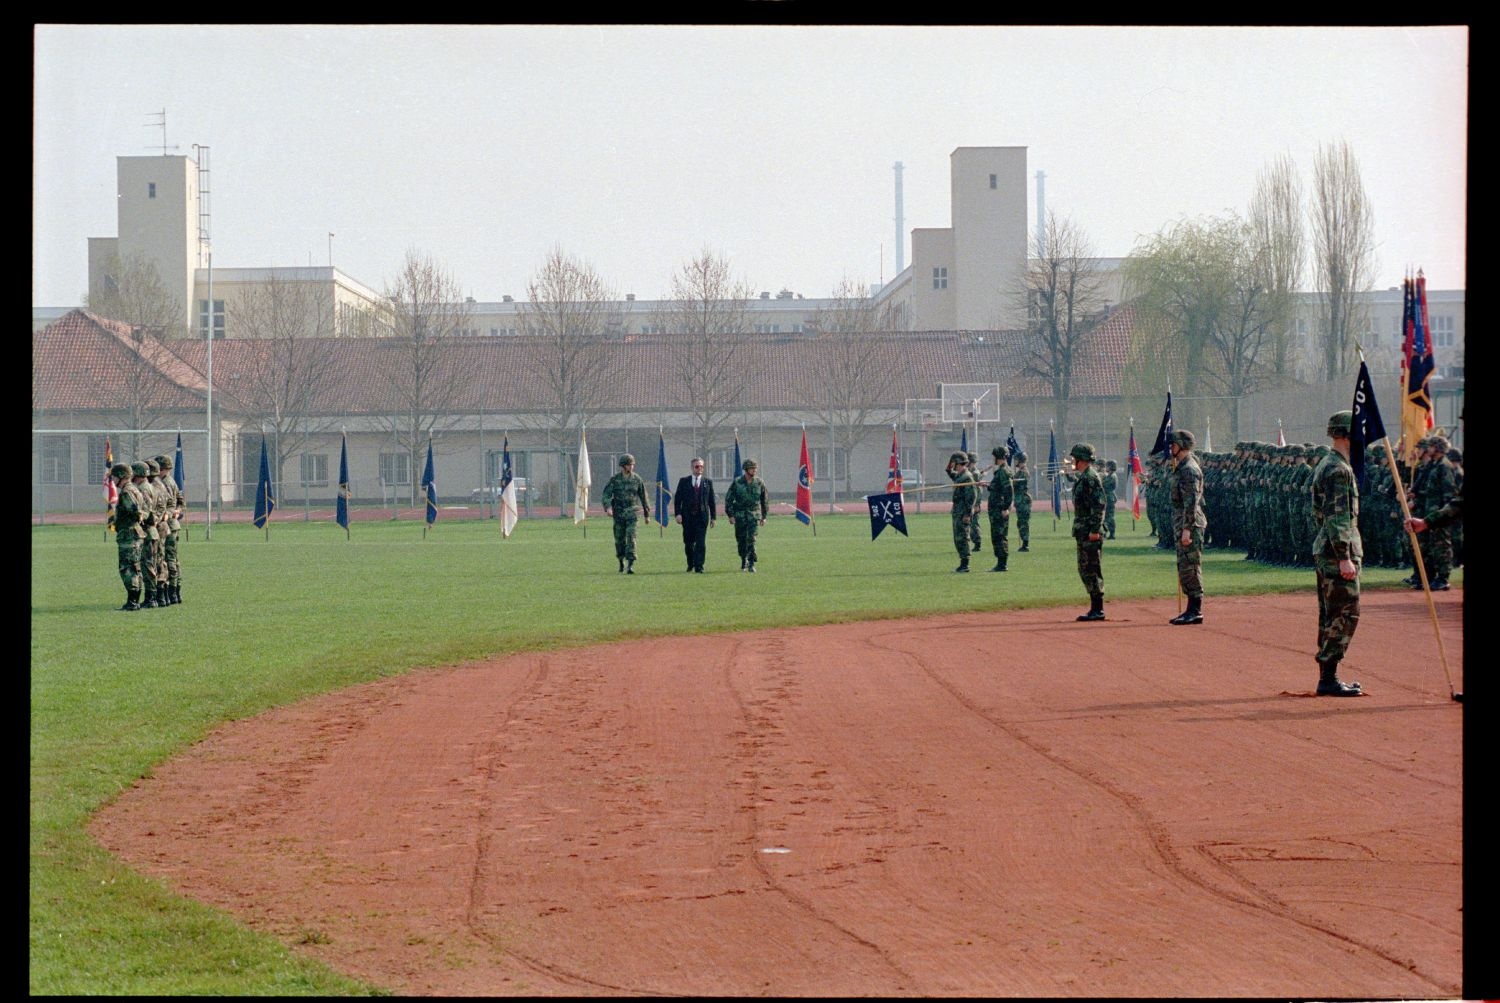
{"points": [[267, 622]]}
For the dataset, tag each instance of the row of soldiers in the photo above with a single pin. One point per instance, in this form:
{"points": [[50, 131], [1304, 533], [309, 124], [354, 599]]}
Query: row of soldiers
{"points": [[147, 519], [1257, 499]]}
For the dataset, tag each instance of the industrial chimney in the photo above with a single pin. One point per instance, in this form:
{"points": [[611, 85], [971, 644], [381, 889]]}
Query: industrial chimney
{"points": [[1041, 212], [900, 225]]}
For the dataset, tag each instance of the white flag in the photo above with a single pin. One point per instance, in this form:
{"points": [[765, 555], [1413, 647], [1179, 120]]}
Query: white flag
{"points": [[509, 514], [584, 479], [1208, 435]]}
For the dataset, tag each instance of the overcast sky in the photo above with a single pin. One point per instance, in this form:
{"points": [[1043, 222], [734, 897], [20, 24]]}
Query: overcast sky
{"points": [[634, 147]]}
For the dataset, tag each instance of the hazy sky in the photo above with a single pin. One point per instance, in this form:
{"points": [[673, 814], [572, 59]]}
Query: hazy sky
{"points": [[634, 147]]}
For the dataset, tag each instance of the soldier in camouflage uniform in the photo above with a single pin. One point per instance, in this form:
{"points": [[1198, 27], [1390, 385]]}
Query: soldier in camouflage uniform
{"points": [[1338, 553], [1188, 524], [173, 527], [1456, 458], [620, 496], [965, 497], [151, 547], [128, 532], [1111, 485], [1021, 483], [974, 538], [746, 505], [1088, 527], [1002, 496], [1433, 487]]}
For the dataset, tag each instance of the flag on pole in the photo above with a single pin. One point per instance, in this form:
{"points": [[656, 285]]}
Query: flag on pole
{"points": [[893, 479], [1280, 435], [111, 489], [1054, 470], [1136, 474], [1208, 435], [1417, 366], [804, 485], [663, 486], [1367, 427], [583, 479], [1011, 443], [177, 474], [1164, 434], [265, 500], [429, 486], [738, 469], [341, 504], [886, 510], [509, 514], [963, 440]]}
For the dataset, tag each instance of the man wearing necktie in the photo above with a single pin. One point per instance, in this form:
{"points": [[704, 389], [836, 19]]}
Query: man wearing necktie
{"points": [[697, 510]]}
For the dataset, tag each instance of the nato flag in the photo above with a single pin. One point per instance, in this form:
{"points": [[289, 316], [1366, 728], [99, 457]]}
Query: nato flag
{"points": [[341, 510], [429, 487], [265, 501]]}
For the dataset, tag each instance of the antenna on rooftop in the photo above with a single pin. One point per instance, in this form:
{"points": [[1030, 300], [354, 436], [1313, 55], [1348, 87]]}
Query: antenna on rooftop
{"points": [[163, 126]]}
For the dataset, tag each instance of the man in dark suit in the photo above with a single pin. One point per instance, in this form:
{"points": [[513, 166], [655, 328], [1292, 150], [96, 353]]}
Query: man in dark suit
{"points": [[696, 509]]}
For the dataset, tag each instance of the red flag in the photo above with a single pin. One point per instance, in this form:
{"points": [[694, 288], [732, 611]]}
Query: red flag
{"points": [[804, 486], [111, 489], [893, 481], [1135, 476]]}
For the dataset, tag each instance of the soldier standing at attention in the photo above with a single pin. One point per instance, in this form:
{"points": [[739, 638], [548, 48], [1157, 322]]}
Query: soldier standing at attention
{"points": [[1337, 554], [1002, 496], [1188, 524], [151, 547], [128, 534], [965, 495], [1088, 527], [1111, 483], [746, 505], [1434, 486], [974, 539], [173, 525], [620, 496], [1021, 481]]}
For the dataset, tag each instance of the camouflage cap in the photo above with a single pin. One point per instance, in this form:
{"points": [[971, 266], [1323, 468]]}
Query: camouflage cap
{"points": [[1019, 457], [959, 457], [138, 469], [1439, 443], [1183, 439], [152, 470], [627, 458], [1082, 451], [973, 457], [1455, 454], [999, 452], [1340, 422], [1110, 465], [165, 462], [120, 470], [750, 464]]}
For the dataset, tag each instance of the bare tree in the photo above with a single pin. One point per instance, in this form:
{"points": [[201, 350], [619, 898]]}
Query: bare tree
{"points": [[290, 361], [854, 364], [1064, 294], [569, 308], [428, 372], [134, 293], [706, 319], [1343, 226], [1276, 224]]}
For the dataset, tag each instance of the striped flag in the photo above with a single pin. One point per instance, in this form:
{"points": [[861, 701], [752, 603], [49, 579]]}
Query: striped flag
{"points": [[893, 479], [1136, 473], [804, 485], [508, 511]]}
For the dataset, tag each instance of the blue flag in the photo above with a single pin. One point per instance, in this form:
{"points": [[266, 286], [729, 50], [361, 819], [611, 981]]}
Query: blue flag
{"points": [[963, 440], [737, 468], [429, 487], [1052, 471], [1011, 443], [663, 487], [265, 501], [1164, 434], [886, 510], [1367, 428], [177, 474], [341, 505]]}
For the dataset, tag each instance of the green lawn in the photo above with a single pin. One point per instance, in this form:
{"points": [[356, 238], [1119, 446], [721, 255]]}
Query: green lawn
{"points": [[269, 622]]}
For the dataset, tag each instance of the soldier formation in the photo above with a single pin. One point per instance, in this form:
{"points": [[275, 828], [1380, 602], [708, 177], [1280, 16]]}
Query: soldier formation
{"points": [[148, 517]]}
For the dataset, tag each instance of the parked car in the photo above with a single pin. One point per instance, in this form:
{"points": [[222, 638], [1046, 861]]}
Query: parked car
{"points": [[491, 492]]}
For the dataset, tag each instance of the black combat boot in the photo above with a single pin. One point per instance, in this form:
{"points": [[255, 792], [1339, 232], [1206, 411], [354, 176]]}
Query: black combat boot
{"points": [[1440, 585], [975, 547], [1096, 609], [1193, 613], [1329, 685], [622, 565], [999, 566], [1025, 547], [963, 567], [150, 601], [176, 594], [630, 566], [743, 562], [132, 600]]}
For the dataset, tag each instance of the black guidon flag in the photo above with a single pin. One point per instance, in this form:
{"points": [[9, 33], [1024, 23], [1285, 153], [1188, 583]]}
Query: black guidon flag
{"points": [[1367, 428], [886, 510]]}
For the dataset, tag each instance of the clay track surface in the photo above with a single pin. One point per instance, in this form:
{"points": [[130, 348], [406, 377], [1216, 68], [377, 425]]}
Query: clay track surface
{"points": [[1006, 803]]}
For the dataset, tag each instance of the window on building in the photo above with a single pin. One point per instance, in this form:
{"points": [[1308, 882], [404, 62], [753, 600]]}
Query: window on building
{"points": [[151, 189], [314, 469], [994, 181], [395, 468], [822, 469], [940, 278], [96, 456], [1442, 331], [520, 463], [218, 318], [721, 466], [57, 459]]}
